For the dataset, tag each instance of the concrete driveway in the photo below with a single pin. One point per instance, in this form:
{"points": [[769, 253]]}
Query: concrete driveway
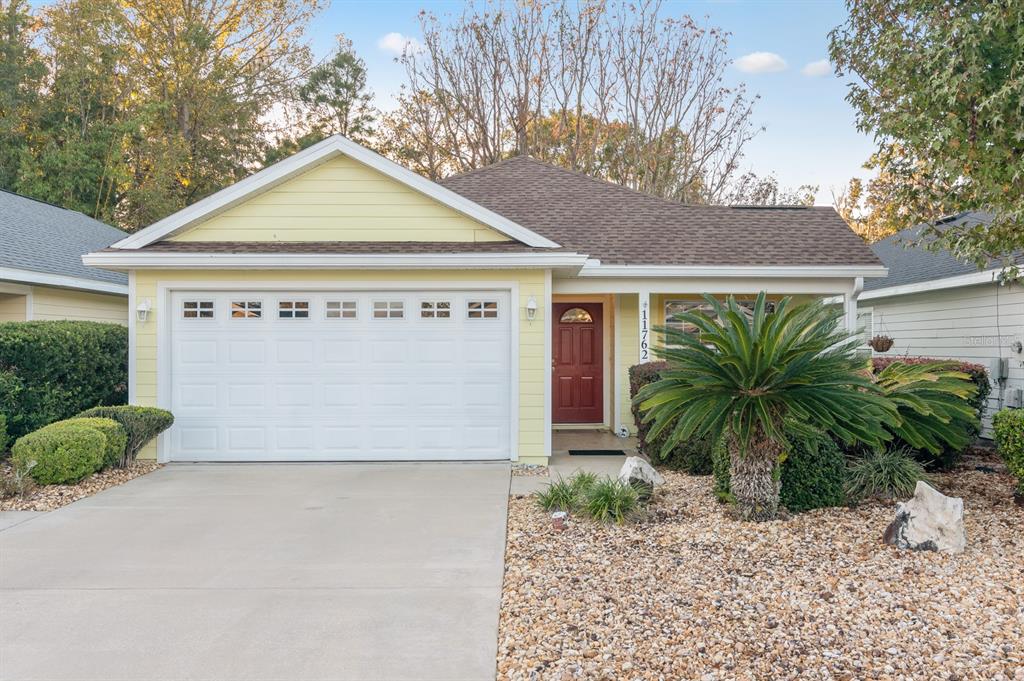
{"points": [[304, 571]]}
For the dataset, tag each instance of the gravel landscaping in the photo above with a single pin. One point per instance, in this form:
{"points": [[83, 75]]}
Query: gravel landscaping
{"points": [[687, 593], [50, 497]]}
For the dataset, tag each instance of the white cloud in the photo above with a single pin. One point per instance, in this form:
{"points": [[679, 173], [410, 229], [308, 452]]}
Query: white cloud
{"points": [[396, 43], [817, 69], [761, 62]]}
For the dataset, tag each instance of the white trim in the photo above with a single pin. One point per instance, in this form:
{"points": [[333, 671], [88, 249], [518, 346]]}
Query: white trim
{"points": [[548, 322], [304, 160], [163, 329], [984, 277], [286, 261], [617, 368], [699, 286], [62, 281], [132, 340], [593, 268]]}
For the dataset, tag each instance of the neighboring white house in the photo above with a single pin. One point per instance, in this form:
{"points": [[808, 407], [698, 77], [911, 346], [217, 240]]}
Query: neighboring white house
{"points": [[933, 305], [41, 272]]}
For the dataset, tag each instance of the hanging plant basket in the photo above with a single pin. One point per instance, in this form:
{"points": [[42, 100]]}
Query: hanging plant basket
{"points": [[881, 343]]}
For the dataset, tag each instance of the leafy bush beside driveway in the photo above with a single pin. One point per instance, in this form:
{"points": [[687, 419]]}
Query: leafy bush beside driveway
{"points": [[142, 424], [61, 453], [52, 370]]}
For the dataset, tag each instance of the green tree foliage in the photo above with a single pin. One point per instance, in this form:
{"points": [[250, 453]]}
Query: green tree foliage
{"points": [[335, 100], [744, 376], [940, 86], [148, 105], [21, 74]]}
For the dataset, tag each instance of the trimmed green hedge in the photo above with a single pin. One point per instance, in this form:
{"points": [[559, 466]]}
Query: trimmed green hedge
{"points": [[61, 453], [113, 432], [813, 475], [52, 370], [693, 457], [1008, 425], [141, 424]]}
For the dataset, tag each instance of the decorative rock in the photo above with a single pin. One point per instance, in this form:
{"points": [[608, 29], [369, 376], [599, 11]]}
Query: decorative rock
{"points": [[636, 470], [930, 521]]}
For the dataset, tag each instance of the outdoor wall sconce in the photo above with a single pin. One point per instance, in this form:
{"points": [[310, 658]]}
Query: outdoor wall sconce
{"points": [[142, 311], [531, 309]]}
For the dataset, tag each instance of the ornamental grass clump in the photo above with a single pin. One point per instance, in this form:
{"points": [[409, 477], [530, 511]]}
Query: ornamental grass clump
{"points": [[602, 499], [886, 474]]}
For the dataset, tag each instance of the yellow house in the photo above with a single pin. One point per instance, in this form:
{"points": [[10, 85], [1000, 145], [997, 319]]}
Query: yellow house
{"points": [[41, 271], [336, 306]]}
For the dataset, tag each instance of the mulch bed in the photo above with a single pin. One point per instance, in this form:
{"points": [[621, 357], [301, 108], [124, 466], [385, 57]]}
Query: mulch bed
{"points": [[50, 497], [688, 593]]}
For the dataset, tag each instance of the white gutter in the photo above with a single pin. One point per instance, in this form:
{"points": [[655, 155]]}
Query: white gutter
{"points": [[131, 259], [593, 268], [61, 281], [984, 277]]}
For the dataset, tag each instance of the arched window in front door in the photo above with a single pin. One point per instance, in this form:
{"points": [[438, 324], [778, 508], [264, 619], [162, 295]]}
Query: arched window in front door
{"points": [[576, 315]]}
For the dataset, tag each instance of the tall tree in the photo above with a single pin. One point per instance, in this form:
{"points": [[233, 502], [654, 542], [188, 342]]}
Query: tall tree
{"points": [[942, 84], [334, 99], [85, 116], [606, 87], [21, 74]]}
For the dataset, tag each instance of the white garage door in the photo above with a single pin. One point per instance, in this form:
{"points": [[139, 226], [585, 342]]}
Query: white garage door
{"points": [[362, 376]]}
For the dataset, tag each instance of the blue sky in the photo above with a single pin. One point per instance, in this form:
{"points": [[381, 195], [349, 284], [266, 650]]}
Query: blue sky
{"points": [[810, 136]]}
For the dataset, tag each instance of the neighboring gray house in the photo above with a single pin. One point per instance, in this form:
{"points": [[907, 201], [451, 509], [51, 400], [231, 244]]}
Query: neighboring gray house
{"points": [[41, 270], [933, 305]]}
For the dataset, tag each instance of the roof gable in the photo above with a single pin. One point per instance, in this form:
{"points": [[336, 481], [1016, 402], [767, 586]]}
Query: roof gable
{"points": [[229, 205]]}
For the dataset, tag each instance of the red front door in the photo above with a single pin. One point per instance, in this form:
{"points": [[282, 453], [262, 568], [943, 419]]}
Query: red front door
{"points": [[577, 380]]}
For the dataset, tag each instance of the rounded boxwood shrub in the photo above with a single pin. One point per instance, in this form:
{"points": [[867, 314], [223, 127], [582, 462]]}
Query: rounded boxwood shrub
{"points": [[1008, 425], [63, 453], [813, 475], [142, 424], [116, 438], [51, 370]]}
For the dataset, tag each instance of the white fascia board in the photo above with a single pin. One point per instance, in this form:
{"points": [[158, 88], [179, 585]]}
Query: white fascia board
{"points": [[984, 277], [129, 259], [598, 270], [61, 281], [308, 158]]}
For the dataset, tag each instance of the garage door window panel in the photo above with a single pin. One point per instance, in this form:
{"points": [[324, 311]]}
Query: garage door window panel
{"points": [[436, 309], [482, 309], [246, 309], [293, 309], [388, 309], [197, 309], [341, 309]]}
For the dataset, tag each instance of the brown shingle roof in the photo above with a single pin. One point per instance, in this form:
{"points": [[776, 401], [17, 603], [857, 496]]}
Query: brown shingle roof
{"points": [[341, 247], [621, 226]]}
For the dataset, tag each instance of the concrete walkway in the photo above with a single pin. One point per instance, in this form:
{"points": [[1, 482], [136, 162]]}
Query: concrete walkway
{"points": [[308, 571]]}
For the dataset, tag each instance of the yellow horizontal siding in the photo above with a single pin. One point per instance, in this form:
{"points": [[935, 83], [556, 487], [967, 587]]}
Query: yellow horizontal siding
{"points": [[12, 307], [55, 303], [532, 368], [341, 200]]}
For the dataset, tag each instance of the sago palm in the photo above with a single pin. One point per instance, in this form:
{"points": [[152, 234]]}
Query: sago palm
{"points": [[743, 376]]}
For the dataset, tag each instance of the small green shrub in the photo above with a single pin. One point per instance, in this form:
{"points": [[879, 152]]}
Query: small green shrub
{"points": [[610, 501], [114, 432], [692, 456], [17, 482], [3, 434], [1008, 425], [813, 475], [142, 424], [559, 495], [51, 370], [63, 453], [884, 475]]}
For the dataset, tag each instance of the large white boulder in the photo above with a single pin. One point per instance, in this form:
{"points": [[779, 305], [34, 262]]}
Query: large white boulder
{"points": [[636, 470], [930, 521]]}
